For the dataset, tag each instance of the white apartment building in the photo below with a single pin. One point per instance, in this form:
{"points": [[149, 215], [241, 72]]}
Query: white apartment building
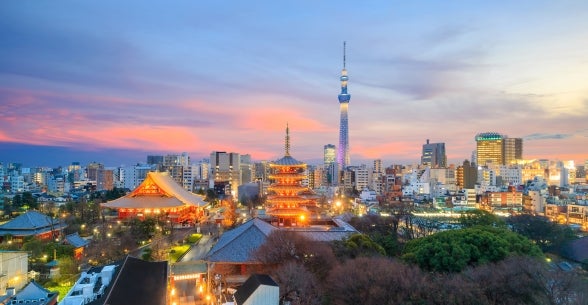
{"points": [[134, 175], [511, 175]]}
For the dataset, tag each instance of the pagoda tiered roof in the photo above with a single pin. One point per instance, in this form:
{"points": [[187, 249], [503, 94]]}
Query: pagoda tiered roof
{"points": [[288, 161]]}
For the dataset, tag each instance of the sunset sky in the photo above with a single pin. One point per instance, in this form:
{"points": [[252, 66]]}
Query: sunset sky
{"points": [[114, 81]]}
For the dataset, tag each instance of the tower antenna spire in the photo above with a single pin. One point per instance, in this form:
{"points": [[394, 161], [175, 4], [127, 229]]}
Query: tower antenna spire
{"points": [[287, 140], [344, 59]]}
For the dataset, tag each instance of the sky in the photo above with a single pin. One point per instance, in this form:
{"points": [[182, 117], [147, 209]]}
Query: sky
{"points": [[115, 81]]}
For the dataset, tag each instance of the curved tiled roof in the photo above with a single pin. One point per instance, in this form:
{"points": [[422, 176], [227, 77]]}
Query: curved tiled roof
{"points": [[31, 223], [237, 245], [288, 160], [76, 240], [167, 193]]}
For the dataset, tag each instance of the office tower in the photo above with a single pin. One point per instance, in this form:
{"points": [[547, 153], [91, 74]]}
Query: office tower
{"points": [[330, 165], [434, 155], [175, 165], [92, 170], [225, 173], [246, 169], [329, 154], [467, 175], [153, 160], [343, 158], [513, 150], [489, 148]]}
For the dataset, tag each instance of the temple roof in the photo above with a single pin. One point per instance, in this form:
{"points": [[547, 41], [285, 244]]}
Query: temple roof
{"points": [[237, 245], [76, 240], [158, 190], [30, 223]]}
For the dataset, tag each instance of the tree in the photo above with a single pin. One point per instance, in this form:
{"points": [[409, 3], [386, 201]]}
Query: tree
{"points": [[358, 245], [282, 247], [545, 233], [17, 202], [297, 285], [474, 218], [29, 200], [229, 213], [452, 251], [376, 280]]}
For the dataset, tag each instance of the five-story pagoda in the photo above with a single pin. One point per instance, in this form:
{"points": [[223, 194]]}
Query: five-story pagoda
{"points": [[286, 203]]}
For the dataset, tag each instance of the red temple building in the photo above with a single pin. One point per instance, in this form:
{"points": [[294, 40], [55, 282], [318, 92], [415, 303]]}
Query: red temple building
{"points": [[288, 200], [159, 196]]}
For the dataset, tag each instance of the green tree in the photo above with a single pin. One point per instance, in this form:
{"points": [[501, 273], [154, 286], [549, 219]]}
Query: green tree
{"points": [[7, 206], [17, 202], [452, 251], [474, 218], [545, 233], [358, 245], [29, 200]]}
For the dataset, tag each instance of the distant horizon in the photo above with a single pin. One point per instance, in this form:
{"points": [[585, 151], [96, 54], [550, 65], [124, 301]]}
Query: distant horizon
{"points": [[34, 155]]}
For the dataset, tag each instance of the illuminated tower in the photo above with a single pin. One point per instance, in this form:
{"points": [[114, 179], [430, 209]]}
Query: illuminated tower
{"points": [[343, 150]]}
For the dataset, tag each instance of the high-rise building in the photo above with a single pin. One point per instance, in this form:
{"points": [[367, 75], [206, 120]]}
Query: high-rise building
{"points": [[330, 154], [343, 158], [154, 160], [467, 175], [513, 150], [434, 155], [330, 165], [225, 172], [489, 148]]}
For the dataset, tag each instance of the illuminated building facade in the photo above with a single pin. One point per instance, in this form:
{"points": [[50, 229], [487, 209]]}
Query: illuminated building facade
{"points": [[287, 201], [159, 196], [489, 148], [225, 172], [330, 158], [513, 150], [343, 158]]}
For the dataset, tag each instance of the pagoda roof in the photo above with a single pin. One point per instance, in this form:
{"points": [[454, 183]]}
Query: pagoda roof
{"points": [[288, 161], [158, 190]]}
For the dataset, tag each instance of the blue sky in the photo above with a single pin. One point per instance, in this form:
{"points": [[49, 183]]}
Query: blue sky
{"points": [[120, 80]]}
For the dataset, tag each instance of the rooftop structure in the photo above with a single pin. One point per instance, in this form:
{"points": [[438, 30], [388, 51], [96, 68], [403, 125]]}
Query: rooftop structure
{"points": [[259, 289], [130, 281], [32, 294], [32, 223], [159, 195]]}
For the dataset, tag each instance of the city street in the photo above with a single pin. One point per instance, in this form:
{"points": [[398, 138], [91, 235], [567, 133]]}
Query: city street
{"points": [[189, 291]]}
